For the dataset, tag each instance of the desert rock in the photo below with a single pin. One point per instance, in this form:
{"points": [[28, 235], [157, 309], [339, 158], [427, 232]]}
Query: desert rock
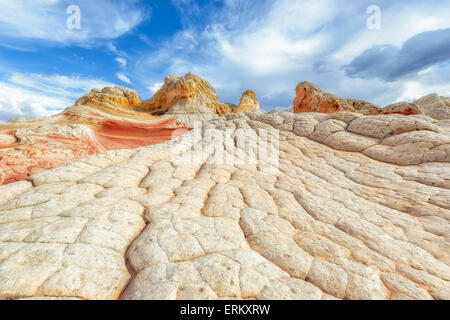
{"points": [[191, 91], [111, 97], [248, 102], [434, 106], [309, 98], [191, 98], [345, 207], [110, 119], [101, 120], [404, 108]]}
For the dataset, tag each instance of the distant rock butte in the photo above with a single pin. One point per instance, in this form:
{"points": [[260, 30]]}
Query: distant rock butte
{"points": [[248, 102], [194, 96], [192, 90], [310, 98]]}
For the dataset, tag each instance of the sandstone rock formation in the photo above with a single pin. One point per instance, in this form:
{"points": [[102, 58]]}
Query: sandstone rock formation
{"points": [[192, 98], [404, 108], [102, 120], [110, 119], [192, 90], [111, 97], [248, 102], [352, 207], [309, 98], [434, 106]]}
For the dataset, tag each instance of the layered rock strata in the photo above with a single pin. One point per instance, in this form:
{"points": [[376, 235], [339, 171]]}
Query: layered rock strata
{"points": [[109, 119]]}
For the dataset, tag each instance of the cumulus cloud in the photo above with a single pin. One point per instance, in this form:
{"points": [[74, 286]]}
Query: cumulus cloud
{"points": [[390, 63], [434, 79], [57, 85], [19, 102], [47, 20]]}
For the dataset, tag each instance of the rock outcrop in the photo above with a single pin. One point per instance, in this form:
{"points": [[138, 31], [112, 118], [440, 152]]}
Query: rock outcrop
{"points": [[404, 108], [342, 200], [309, 98], [100, 121], [112, 97], [248, 102], [110, 119], [342, 206], [7, 139], [192, 98], [434, 106], [190, 90]]}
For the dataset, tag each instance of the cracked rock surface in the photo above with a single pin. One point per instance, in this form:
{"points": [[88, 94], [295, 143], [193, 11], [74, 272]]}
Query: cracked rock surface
{"points": [[354, 207]]}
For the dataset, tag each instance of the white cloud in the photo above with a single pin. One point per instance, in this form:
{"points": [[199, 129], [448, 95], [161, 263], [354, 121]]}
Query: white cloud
{"points": [[398, 24], [57, 85], [18, 102], [435, 79], [46, 20], [122, 61], [123, 77], [38, 95], [155, 87]]}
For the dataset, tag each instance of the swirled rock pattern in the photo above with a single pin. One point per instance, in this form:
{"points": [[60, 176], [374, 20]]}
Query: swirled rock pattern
{"points": [[353, 207], [110, 119], [101, 120]]}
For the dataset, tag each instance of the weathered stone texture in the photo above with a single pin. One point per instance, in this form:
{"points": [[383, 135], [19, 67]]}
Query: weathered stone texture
{"points": [[356, 208]]}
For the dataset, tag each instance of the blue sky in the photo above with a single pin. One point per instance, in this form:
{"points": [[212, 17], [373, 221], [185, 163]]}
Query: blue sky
{"points": [[265, 45]]}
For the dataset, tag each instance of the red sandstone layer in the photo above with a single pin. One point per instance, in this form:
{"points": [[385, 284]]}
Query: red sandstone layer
{"points": [[22, 159]]}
